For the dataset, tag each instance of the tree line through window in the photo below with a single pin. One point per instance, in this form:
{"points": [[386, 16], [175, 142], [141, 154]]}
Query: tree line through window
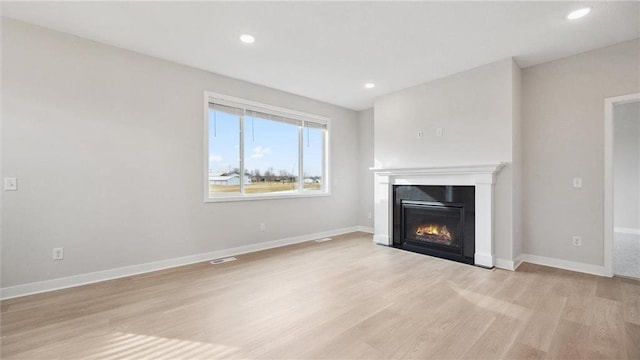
{"points": [[253, 152]]}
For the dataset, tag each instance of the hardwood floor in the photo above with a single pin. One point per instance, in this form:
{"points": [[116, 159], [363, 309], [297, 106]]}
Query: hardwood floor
{"points": [[345, 298]]}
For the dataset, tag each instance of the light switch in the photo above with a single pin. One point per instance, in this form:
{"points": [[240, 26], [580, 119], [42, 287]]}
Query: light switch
{"points": [[10, 184], [419, 135], [439, 132]]}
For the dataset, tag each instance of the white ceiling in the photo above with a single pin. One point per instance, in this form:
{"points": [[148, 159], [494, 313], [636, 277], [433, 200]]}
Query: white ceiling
{"points": [[328, 50]]}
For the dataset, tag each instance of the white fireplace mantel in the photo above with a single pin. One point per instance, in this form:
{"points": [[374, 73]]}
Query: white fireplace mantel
{"points": [[481, 176]]}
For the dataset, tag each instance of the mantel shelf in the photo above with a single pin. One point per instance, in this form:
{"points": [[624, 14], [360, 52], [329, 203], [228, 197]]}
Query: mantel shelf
{"points": [[442, 170]]}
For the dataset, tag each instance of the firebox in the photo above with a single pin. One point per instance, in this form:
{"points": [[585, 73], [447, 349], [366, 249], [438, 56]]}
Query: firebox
{"points": [[435, 220]]}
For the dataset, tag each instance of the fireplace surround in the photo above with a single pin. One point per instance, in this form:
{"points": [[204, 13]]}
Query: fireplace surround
{"points": [[480, 177]]}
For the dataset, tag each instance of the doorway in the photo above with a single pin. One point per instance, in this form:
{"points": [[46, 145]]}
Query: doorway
{"points": [[622, 186]]}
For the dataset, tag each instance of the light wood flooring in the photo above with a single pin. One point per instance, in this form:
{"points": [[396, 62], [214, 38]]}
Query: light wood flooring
{"points": [[346, 298]]}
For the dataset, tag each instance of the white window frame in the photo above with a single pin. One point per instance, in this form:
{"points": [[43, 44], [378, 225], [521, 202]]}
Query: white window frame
{"points": [[211, 97]]}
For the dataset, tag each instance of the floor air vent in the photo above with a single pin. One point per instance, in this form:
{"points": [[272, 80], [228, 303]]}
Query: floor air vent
{"points": [[323, 240], [223, 260]]}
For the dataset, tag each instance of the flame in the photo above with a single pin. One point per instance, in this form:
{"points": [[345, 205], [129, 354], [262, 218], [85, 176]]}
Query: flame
{"points": [[434, 230]]}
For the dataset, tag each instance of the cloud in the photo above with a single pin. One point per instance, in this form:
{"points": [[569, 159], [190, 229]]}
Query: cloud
{"points": [[260, 151], [215, 158]]}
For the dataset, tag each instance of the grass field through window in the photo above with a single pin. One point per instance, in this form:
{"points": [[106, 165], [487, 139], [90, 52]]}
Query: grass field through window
{"points": [[262, 187]]}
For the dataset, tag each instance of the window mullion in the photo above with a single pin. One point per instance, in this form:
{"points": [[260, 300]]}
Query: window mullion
{"points": [[325, 159], [300, 157], [242, 152]]}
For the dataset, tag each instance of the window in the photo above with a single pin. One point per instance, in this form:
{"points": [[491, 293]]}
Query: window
{"points": [[257, 151]]}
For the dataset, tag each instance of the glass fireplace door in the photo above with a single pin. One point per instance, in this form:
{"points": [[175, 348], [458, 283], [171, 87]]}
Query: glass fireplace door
{"points": [[433, 224]]}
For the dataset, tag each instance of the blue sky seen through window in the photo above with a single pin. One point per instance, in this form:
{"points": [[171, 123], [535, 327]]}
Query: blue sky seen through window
{"points": [[312, 150], [224, 142], [269, 146]]}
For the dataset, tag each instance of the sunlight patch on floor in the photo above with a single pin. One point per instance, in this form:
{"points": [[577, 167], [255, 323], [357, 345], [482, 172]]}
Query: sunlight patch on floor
{"points": [[492, 304], [137, 346]]}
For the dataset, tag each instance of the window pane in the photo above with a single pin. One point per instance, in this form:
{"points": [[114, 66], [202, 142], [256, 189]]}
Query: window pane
{"points": [[224, 150], [270, 154], [313, 151]]}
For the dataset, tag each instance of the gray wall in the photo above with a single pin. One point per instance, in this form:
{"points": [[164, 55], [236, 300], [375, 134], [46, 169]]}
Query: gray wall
{"points": [[516, 148], [365, 145], [626, 166], [108, 148], [473, 108], [476, 110], [563, 138]]}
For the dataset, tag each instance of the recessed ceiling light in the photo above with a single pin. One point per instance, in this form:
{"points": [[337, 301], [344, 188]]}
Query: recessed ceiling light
{"points": [[369, 85], [577, 14], [247, 39]]}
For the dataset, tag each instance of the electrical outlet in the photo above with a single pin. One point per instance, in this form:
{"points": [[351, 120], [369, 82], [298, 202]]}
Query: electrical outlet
{"points": [[577, 241], [58, 253], [263, 227], [10, 184]]}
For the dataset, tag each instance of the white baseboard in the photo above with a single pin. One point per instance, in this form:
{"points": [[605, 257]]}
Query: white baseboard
{"points": [[623, 230], [517, 262], [367, 229], [83, 279], [511, 265], [564, 264]]}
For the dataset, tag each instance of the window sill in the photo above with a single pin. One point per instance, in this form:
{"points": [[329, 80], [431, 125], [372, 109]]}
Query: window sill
{"points": [[254, 197]]}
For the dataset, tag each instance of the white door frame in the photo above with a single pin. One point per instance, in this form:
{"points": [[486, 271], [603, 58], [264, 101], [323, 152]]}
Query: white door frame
{"points": [[608, 176]]}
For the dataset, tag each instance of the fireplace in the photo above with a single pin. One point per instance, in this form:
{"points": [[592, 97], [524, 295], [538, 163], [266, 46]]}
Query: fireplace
{"points": [[480, 177], [435, 220]]}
